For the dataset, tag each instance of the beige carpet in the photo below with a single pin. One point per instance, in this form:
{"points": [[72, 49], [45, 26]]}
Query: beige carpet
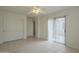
{"points": [[34, 45]]}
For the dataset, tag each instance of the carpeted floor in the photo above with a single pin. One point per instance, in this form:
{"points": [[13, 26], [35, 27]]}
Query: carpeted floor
{"points": [[34, 45]]}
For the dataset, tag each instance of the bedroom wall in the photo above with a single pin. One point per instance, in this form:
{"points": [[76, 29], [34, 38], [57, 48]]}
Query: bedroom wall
{"points": [[43, 27], [72, 28], [13, 26], [29, 26]]}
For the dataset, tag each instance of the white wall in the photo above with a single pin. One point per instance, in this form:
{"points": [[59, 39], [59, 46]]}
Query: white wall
{"points": [[17, 22], [50, 30], [72, 26], [43, 27], [29, 27], [1, 27], [13, 26]]}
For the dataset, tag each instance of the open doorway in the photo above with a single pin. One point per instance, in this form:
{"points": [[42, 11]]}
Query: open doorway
{"points": [[34, 27], [31, 28], [56, 30]]}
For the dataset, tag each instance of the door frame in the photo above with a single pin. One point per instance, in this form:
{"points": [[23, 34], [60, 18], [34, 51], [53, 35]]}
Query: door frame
{"points": [[34, 28], [64, 29]]}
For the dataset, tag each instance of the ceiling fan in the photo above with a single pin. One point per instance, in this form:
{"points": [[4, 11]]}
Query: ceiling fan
{"points": [[37, 10]]}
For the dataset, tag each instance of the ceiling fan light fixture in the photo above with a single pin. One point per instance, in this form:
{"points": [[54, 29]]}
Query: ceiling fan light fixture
{"points": [[36, 10]]}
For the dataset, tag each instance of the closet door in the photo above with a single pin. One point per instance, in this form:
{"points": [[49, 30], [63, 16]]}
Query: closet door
{"points": [[19, 27], [1, 28], [13, 25], [29, 27], [9, 27]]}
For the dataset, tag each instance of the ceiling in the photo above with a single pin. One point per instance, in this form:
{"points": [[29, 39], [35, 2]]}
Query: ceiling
{"points": [[27, 9]]}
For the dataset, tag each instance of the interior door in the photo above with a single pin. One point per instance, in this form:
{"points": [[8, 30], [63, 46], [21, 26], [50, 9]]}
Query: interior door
{"points": [[10, 27], [1, 28], [29, 27], [19, 27], [13, 26]]}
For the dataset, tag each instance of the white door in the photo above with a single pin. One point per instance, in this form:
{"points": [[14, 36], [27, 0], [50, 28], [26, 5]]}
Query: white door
{"points": [[29, 27], [1, 29], [10, 27], [13, 25], [19, 28]]}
